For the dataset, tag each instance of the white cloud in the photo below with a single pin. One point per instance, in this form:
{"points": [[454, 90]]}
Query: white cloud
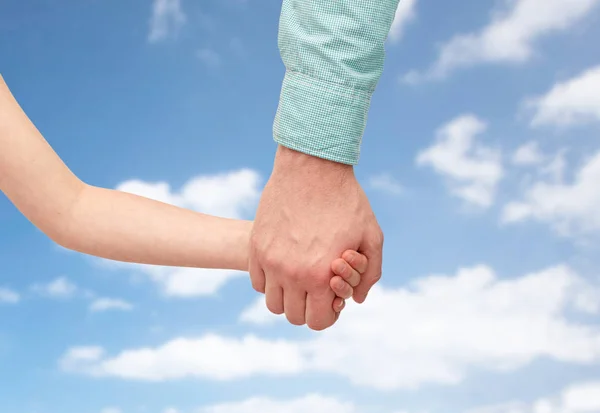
{"points": [[106, 304], [386, 183], [190, 282], [473, 170], [581, 398], [167, 18], [570, 208], [405, 13], [257, 313], [313, 403], [230, 194], [171, 410], [9, 296], [578, 398], [528, 154], [59, 288], [211, 357], [554, 168], [209, 57], [510, 36], [575, 101], [181, 282], [444, 325], [433, 332], [78, 355]]}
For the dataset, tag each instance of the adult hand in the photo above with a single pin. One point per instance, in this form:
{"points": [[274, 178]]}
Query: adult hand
{"points": [[310, 212]]}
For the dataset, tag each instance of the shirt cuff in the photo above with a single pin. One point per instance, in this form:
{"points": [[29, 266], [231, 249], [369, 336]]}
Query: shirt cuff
{"points": [[320, 118]]}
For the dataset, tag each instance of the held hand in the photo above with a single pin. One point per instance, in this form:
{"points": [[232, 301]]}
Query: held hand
{"points": [[311, 211], [347, 276]]}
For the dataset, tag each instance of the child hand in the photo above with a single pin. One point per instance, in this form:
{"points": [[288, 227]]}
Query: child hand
{"points": [[347, 270]]}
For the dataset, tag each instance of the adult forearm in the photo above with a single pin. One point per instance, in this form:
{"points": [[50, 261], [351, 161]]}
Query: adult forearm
{"points": [[334, 55], [126, 227]]}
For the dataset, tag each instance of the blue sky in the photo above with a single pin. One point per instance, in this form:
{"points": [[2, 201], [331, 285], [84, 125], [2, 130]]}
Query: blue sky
{"points": [[481, 159]]}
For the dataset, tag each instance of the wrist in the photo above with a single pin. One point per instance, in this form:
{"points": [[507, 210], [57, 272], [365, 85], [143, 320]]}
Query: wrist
{"points": [[289, 161], [242, 230]]}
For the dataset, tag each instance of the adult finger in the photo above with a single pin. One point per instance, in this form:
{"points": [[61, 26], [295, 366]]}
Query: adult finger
{"points": [[340, 267], [274, 296], [294, 305], [372, 248], [340, 287], [257, 276], [319, 313]]}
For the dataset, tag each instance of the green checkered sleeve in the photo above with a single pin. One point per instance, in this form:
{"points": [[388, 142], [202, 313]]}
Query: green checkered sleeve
{"points": [[333, 51]]}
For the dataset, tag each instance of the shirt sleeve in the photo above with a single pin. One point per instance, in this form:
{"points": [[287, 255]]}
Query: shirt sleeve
{"points": [[333, 51]]}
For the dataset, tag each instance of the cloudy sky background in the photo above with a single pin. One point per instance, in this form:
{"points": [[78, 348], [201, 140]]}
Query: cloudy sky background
{"points": [[481, 158]]}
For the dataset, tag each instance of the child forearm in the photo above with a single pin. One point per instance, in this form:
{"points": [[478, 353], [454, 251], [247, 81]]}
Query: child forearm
{"points": [[104, 222], [126, 227], [32, 175]]}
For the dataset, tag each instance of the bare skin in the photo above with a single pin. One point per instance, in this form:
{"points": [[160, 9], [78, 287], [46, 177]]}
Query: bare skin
{"points": [[121, 226], [311, 211]]}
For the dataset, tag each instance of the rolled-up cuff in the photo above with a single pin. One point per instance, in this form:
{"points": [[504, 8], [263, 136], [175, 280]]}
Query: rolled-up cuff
{"points": [[320, 118]]}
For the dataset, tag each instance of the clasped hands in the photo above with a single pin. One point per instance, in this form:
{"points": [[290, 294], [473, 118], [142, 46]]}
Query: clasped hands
{"points": [[315, 240]]}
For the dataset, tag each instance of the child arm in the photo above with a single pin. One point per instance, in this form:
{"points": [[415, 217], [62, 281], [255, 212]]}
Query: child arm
{"points": [[104, 222]]}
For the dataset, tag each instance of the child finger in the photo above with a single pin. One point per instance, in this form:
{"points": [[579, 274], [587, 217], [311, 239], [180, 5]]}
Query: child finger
{"points": [[340, 287], [338, 304], [343, 269], [356, 260]]}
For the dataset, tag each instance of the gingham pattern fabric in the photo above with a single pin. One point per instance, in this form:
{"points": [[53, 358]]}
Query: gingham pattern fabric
{"points": [[333, 51]]}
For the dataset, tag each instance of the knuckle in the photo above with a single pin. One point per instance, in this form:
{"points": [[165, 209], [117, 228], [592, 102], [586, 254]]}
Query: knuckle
{"points": [[348, 272], [292, 275], [339, 283], [358, 261], [271, 261], [281, 269], [352, 258], [344, 290], [339, 292]]}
